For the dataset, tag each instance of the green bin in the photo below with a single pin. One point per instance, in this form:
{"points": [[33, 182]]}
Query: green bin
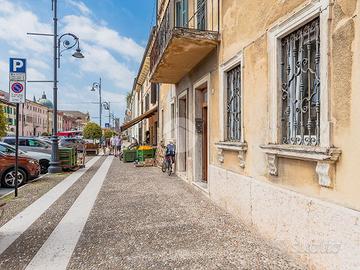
{"points": [[144, 154], [68, 157], [129, 155]]}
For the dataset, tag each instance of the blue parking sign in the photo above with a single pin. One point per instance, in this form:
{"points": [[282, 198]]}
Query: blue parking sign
{"points": [[17, 65]]}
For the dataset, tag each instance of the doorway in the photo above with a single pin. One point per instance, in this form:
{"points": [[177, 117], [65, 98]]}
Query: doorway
{"points": [[205, 140], [201, 146], [182, 142]]}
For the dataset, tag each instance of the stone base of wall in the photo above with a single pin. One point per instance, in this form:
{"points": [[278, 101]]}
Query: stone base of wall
{"points": [[322, 234]]}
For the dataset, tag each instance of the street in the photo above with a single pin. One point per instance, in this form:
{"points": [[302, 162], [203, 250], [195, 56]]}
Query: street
{"points": [[112, 215]]}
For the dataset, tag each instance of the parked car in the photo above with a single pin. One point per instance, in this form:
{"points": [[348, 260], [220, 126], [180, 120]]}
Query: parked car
{"points": [[72, 143], [42, 158], [30, 144], [29, 169]]}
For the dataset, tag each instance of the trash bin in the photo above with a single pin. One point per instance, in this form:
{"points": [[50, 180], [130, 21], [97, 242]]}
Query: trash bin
{"points": [[129, 155]]}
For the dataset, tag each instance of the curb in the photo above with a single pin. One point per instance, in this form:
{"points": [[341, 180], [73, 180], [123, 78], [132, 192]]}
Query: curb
{"points": [[13, 190]]}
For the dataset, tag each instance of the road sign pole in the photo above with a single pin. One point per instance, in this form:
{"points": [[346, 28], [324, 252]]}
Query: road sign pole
{"points": [[16, 150], [17, 95]]}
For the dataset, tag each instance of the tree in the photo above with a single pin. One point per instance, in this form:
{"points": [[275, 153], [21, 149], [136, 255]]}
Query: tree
{"points": [[108, 133], [3, 122], [92, 131]]}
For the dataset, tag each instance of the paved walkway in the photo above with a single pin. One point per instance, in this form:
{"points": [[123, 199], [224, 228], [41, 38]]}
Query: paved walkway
{"points": [[115, 216]]}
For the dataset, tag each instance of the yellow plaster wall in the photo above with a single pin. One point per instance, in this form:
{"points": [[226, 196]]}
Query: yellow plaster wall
{"points": [[244, 28]]}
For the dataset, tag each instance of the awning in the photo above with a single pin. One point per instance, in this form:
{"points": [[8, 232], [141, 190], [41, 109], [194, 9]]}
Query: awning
{"points": [[138, 119]]}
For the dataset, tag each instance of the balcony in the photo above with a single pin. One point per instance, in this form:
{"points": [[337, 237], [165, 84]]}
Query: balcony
{"points": [[181, 43]]}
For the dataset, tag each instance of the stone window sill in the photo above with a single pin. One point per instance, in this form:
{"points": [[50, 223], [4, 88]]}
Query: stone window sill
{"points": [[325, 157], [240, 147]]}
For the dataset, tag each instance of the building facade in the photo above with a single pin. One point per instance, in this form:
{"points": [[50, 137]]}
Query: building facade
{"points": [[259, 97], [73, 120], [36, 117], [10, 113], [33, 119]]}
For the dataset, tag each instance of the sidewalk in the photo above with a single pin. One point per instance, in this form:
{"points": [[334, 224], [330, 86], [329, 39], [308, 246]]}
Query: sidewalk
{"points": [[144, 219], [141, 219]]}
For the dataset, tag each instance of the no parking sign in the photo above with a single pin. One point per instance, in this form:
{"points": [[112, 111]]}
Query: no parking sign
{"points": [[17, 80]]}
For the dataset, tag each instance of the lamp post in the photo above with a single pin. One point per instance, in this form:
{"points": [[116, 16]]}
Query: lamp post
{"points": [[106, 105], [67, 44], [97, 86]]}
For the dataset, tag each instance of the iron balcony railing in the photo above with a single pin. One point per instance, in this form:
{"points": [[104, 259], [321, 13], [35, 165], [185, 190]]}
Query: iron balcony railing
{"points": [[176, 16]]}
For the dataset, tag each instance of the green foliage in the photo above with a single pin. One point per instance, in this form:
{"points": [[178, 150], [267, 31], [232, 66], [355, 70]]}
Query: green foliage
{"points": [[92, 131], [3, 122], [108, 133], [45, 134]]}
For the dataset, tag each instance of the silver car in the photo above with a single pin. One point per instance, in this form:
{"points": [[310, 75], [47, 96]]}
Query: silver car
{"points": [[30, 144], [43, 158]]}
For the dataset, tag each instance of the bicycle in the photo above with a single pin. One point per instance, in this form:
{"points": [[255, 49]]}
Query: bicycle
{"points": [[168, 164]]}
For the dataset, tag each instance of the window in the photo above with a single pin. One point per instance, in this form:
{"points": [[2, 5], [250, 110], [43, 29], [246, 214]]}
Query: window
{"points": [[201, 14], [300, 85], [10, 141], [147, 102], [181, 7], [34, 143], [22, 142], [154, 90], [233, 104], [6, 149]]}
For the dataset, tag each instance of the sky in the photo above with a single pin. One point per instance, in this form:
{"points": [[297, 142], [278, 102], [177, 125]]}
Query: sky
{"points": [[112, 33]]}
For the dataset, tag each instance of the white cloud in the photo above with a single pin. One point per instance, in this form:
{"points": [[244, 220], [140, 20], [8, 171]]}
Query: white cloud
{"points": [[107, 54], [81, 6], [99, 60], [87, 30], [13, 31], [34, 75], [38, 64]]}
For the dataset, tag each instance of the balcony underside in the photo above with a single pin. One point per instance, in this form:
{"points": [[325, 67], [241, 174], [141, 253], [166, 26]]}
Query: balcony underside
{"points": [[185, 49]]}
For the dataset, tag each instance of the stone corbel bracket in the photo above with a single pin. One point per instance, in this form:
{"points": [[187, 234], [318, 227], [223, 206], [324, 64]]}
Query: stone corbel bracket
{"points": [[325, 157], [241, 148]]}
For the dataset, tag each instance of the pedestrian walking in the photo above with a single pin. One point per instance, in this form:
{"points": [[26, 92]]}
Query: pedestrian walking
{"points": [[112, 145], [103, 144], [118, 143]]}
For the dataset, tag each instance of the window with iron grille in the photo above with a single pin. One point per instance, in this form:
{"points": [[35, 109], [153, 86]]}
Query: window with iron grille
{"points": [[147, 102], [233, 103], [300, 85], [154, 92]]}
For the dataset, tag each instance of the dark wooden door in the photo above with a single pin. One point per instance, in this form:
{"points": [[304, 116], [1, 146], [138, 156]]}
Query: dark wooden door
{"points": [[205, 143]]}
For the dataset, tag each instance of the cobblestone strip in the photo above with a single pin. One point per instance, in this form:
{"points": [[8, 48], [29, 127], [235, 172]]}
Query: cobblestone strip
{"points": [[16, 226], [56, 251], [144, 219], [20, 253]]}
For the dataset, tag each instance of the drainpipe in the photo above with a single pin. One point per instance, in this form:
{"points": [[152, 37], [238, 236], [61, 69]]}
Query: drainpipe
{"points": [[158, 113]]}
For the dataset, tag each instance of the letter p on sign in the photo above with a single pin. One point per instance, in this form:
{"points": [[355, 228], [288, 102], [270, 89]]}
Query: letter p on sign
{"points": [[17, 65]]}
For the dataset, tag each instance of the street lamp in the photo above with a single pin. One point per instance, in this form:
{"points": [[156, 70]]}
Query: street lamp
{"points": [[106, 106], [97, 86], [67, 41]]}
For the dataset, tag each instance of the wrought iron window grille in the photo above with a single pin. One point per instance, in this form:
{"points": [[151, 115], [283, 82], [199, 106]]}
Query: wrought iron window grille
{"points": [[233, 104], [300, 85]]}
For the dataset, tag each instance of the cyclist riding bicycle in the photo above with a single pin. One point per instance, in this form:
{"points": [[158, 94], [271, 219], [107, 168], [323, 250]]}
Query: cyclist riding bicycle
{"points": [[169, 159], [170, 151]]}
